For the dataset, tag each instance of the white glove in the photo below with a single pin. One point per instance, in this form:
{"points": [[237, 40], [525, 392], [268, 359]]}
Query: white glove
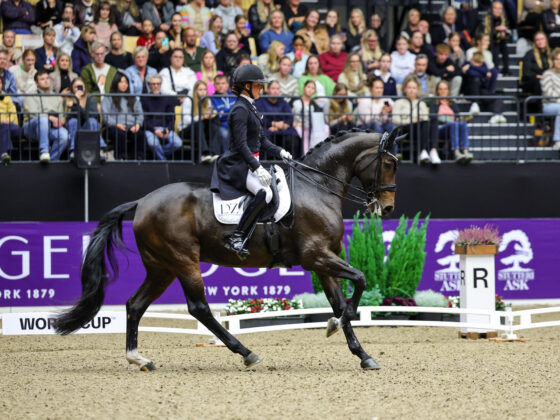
{"points": [[284, 154], [264, 176]]}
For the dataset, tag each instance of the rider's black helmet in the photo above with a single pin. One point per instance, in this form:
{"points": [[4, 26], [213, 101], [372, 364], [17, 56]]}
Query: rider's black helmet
{"points": [[249, 73]]}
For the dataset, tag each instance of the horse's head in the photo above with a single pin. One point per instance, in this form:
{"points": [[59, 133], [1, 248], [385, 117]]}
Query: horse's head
{"points": [[376, 168]]}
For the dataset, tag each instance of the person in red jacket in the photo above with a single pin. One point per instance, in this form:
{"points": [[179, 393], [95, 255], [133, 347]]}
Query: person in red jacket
{"points": [[332, 61]]}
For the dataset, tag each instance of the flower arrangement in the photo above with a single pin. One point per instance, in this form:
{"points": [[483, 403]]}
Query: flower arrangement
{"points": [[455, 302], [398, 301], [488, 235], [500, 305], [249, 306]]}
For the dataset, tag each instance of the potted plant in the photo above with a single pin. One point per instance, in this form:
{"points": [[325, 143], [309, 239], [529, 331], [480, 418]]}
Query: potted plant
{"points": [[477, 241], [250, 306]]}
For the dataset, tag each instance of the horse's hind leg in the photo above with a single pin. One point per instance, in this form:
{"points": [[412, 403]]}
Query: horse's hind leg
{"points": [[334, 294], [152, 288], [193, 288]]}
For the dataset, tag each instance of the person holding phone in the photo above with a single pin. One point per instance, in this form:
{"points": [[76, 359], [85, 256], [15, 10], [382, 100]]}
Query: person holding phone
{"points": [[66, 33], [298, 57], [374, 112]]}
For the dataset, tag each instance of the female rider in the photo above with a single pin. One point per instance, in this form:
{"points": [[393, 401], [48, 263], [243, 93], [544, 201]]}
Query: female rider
{"points": [[238, 170]]}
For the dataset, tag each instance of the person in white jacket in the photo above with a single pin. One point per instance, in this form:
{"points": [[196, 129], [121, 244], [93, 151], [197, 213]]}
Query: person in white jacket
{"points": [[402, 63], [66, 33], [177, 78]]}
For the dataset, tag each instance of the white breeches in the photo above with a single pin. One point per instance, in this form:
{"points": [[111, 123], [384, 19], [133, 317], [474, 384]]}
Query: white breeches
{"points": [[254, 185]]}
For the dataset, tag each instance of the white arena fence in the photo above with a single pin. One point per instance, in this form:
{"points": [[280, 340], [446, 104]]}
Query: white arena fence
{"points": [[115, 321]]}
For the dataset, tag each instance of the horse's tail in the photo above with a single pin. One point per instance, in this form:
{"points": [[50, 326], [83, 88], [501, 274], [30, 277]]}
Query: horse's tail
{"points": [[94, 273]]}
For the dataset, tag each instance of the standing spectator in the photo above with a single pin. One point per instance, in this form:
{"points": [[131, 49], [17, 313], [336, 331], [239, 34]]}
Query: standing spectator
{"points": [[24, 74], [412, 23], [278, 120], [44, 121], [139, 72], [332, 24], [384, 73], [18, 16], [308, 118], [457, 54], [287, 83], [269, 61], [193, 53], [402, 61], [375, 113], [227, 12], [338, 111], [226, 57], [48, 13], [258, 15], [222, 102], [551, 23], [98, 75], [118, 57], [417, 46], [81, 55], [8, 44], [159, 55], [84, 11], [298, 57], [177, 79], [356, 29], [208, 71], [323, 84], [104, 22], [353, 77], [243, 34], [294, 13], [66, 33], [276, 30], [495, 26], [159, 12], [427, 82], [147, 37], [332, 61], [443, 68], [212, 38], [131, 20], [535, 62], [175, 32], [315, 36], [159, 121], [46, 55], [195, 15], [371, 51], [62, 76], [550, 85], [9, 126]]}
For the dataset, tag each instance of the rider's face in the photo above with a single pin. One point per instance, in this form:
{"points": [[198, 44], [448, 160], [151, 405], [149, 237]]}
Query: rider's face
{"points": [[256, 90]]}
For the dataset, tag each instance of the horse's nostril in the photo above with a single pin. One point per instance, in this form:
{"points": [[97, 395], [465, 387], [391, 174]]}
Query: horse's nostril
{"points": [[387, 210]]}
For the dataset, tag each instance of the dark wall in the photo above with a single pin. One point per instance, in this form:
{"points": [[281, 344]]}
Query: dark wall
{"points": [[55, 192]]}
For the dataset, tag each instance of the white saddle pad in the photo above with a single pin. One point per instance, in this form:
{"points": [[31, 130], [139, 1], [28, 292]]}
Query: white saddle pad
{"points": [[229, 212]]}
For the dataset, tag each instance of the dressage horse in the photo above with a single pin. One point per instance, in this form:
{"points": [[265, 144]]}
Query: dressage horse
{"points": [[175, 230]]}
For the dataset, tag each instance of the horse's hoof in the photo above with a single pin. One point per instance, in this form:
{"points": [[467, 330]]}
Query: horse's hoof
{"points": [[148, 367], [369, 364], [333, 326], [251, 360]]}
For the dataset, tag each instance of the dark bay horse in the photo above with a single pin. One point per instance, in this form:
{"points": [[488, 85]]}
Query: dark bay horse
{"points": [[175, 230]]}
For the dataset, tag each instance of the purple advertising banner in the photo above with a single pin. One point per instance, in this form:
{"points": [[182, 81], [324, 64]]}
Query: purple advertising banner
{"points": [[39, 265]]}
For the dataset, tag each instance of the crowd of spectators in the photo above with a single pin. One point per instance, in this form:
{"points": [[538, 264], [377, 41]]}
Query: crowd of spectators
{"points": [[377, 76]]}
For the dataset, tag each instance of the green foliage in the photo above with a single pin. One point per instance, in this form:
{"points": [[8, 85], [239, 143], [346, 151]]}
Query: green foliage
{"points": [[430, 298], [371, 297], [310, 300]]}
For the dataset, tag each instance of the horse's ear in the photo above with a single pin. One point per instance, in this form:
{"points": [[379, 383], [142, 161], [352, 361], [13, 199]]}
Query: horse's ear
{"points": [[392, 136]]}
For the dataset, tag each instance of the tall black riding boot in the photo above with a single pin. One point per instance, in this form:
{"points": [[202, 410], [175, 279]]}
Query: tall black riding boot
{"points": [[237, 241]]}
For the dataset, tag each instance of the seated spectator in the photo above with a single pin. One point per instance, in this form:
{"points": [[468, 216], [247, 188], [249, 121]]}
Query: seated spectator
{"points": [[123, 118], [535, 63], [413, 19], [98, 76], [496, 26], [222, 102], [298, 57], [442, 31], [332, 61], [338, 111], [332, 24], [44, 121], [82, 114], [159, 12], [402, 111], [551, 23], [258, 15], [139, 73], [66, 33], [323, 85], [177, 79], [131, 20], [193, 53], [8, 79], [46, 55], [84, 11], [532, 16], [24, 74], [550, 85], [159, 121], [309, 118], [276, 30], [402, 61], [81, 56], [242, 59], [384, 73], [427, 81], [449, 124], [175, 32], [118, 57], [47, 14], [104, 22], [8, 44], [62, 76], [269, 61], [370, 52], [417, 45], [356, 29], [227, 11], [467, 18], [147, 38], [225, 59], [353, 77], [287, 83], [212, 38], [18, 16], [443, 68], [294, 13], [278, 120], [424, 28], [159, 55], [208, 71], [481, 44], [315, 36], [195, 15], [375, 113], [457, 55], [243, 34], [376, 23], [9, 125]]}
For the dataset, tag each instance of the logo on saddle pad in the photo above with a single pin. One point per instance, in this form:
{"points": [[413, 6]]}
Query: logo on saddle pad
{"points": [[229, 212]]}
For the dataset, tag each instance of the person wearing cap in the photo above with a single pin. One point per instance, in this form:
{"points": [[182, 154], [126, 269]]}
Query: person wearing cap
{"points": [[238, 170]]}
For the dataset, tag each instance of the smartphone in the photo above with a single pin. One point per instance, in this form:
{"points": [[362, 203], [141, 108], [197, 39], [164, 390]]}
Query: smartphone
{"points": [[165, 42], [80, 88], [66, 19], [298, 53], [386, 103]]}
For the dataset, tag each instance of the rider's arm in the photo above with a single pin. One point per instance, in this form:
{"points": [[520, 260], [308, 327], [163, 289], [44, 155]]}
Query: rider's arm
{"points": [[238, 121]]}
